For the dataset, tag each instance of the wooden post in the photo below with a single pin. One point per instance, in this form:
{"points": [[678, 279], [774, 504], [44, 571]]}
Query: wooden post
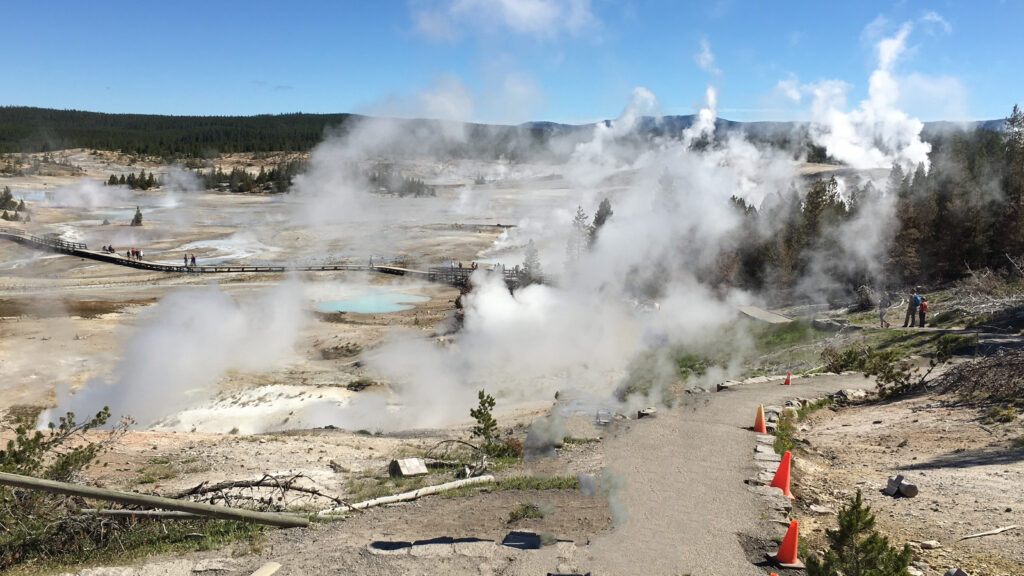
{"points": [[131, 498]]}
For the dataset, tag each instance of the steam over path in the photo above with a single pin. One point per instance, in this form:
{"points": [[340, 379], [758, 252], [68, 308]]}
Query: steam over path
{"points": [[684, 491]]}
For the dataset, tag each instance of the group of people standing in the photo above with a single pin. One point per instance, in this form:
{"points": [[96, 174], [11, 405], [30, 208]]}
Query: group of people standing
{"points": [[131, 253], [917, 309], [186, 257]]}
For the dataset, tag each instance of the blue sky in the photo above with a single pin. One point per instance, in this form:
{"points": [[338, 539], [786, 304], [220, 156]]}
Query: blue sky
{"points": [[504, 60]]}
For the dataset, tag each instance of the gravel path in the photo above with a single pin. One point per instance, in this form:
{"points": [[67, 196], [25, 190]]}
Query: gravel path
{"points": [[684, 491]]}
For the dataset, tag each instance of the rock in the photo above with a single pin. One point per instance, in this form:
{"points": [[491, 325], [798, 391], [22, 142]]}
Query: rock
{"points": [[765, 439], [723, 386], [407, 467], [931, 545], [764, 449], [893, 486], [956, 572], [914, 571], [829, 324], [849, 395], [822, 510], [646, 412], [773, 457], [907, 490]]}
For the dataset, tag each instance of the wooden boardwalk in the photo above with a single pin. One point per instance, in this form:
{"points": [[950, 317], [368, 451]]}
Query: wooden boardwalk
{"points": [[458, 277]]}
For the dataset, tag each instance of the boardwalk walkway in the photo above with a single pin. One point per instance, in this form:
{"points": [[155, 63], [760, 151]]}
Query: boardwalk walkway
{"points": [[458, 277]]}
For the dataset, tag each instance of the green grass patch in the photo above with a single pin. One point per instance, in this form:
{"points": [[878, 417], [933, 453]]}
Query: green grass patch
{"points": [[368, 485], [571, 440], [137, 540], [539, 483], [524, 511], [772, 337]]}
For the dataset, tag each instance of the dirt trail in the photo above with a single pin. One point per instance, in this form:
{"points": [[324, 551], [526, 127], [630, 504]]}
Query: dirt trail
{"points": [[684, 489]]}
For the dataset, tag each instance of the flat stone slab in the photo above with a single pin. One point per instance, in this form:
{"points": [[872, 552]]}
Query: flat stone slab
{"points": [[432, 550], [522, 540], [772, 457], [565, 548], [475, 548], [764, 449], [382, 548], [435, 547], [765, 439]]}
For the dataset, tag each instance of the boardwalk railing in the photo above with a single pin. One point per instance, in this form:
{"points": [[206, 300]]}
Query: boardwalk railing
{"points": [[458, 277], [50, 242]]}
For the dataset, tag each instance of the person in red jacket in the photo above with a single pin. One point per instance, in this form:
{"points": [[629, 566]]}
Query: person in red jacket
{"points": [[920, 312]]}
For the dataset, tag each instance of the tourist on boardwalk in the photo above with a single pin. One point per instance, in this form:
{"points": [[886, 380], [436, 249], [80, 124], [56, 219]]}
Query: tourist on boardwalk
{"points": [[185, 258], [883, 307], [193, 259], [911, 317]]}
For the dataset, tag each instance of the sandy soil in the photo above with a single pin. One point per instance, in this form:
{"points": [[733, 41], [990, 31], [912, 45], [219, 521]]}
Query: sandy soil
{"points": [[970, 476]]}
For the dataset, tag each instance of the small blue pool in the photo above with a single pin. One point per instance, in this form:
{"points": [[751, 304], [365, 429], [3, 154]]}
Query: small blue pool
{"points": [[372, 303]]}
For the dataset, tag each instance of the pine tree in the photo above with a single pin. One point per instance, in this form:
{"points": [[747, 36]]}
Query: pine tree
{"points": [[6, 199], [4, 216], [112, 181], [486, 426], [531, 266], [577, 236], [137, 220], [604, 212], [857, 549], [122, 180]]}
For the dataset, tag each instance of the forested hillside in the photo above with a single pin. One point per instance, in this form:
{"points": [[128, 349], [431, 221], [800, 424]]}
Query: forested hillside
{"points": [[24, 129]]}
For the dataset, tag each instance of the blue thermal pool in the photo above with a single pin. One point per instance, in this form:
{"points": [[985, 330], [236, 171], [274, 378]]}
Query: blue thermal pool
{"points": [[372, 303]]}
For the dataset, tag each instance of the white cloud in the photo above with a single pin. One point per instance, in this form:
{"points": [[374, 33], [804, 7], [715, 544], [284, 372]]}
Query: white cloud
{"points": [[790, 89], [448, 19], [705, 59], [933, 18]]}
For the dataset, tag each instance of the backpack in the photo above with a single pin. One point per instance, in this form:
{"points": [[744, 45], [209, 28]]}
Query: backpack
{"points": [[917, 300], [924, 306]]}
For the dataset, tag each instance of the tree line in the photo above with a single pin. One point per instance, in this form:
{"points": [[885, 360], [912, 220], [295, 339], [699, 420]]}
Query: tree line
{"points": [[277, 180], [140, 182], [966, 212], [27, 129]]}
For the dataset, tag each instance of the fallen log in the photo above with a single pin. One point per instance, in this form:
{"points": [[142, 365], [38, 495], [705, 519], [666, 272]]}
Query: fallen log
{"points": [[170, 514], [133, 499], [405, 496], [990, 532], [267, 569]]}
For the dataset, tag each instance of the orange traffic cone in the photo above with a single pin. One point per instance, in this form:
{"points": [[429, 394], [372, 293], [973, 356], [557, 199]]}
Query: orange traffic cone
{"points": [[781, 479], [786, 556], [759, 426], [789, 378]]}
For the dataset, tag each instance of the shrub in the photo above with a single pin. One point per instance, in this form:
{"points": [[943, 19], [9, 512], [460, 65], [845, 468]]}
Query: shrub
{"points": [[38, 524], [525, 511]]}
